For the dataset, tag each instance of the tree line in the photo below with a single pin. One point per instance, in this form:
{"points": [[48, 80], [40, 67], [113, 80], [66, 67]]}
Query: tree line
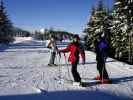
{"points": [[59, 35], [116, 24]]}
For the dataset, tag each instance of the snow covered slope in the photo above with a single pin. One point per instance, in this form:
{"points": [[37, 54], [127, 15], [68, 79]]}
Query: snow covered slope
{"points": [[24, 75], [22, 39]]}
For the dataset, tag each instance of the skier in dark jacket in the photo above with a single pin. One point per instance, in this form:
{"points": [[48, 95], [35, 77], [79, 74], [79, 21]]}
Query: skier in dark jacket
{"points": [[101, 48], [75, 49]]}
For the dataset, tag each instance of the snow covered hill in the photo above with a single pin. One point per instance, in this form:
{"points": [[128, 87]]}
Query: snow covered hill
{"points": [[24, 75]]}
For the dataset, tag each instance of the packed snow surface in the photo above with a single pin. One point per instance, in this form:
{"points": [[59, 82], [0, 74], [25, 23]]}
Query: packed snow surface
{"points": [[24, 75]]}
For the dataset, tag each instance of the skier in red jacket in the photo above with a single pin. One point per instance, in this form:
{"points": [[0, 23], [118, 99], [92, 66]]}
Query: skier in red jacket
{"points": [[75, 49]]}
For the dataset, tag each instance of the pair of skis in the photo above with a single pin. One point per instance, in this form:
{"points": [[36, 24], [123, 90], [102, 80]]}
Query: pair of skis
{"points": [[85, 83]]}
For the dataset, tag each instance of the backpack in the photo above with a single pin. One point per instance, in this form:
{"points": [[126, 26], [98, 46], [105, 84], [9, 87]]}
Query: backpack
{"points": [[103, 47], [47, 44]]}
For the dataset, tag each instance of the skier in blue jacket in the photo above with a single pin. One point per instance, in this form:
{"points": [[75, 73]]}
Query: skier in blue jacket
{"points": [[101, 48]]}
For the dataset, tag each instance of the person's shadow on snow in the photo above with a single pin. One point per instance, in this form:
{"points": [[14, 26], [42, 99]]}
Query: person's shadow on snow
{"points": [[121, 79]]}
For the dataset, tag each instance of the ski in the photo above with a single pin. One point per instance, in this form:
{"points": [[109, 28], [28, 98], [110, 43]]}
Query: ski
{"points": [[94, 82], [90, 83]]}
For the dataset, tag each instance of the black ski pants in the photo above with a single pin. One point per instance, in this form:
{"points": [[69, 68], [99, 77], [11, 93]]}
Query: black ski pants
{"points": [[102, 70], [52, 57], [75, 74]]}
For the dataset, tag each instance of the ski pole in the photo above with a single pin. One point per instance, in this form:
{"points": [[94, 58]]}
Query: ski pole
{"points": [[104, 68], [103, 64], [60, 76], [59, 71], [67, 66], [56, 59], [102, 73], [84, 72]]}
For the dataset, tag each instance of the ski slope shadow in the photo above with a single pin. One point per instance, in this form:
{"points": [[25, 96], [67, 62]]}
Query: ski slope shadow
{"points": [[25, 46], [121, 79], [26, 51], [3, 47], [96, 62], [87, 63], [66, 95]]}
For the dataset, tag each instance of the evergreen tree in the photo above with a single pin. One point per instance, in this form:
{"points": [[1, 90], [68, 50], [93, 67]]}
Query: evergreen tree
{"points": [[97, 25], [129, 10], [5, 25], [121, 30], [89, 30]]}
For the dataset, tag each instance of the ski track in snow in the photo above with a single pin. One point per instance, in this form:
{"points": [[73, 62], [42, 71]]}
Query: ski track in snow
{"points": [[24, 70]]}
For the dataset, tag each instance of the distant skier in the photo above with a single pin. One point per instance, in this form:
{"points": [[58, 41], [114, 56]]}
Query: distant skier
{"points": [[53, 48], [101, 48], [75, 49]]}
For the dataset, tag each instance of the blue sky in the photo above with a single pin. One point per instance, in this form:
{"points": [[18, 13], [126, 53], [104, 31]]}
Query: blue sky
{"points": [[68, 15]]}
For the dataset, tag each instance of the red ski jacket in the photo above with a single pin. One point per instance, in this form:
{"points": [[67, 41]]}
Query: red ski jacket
{"points": [[75, 50]]}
